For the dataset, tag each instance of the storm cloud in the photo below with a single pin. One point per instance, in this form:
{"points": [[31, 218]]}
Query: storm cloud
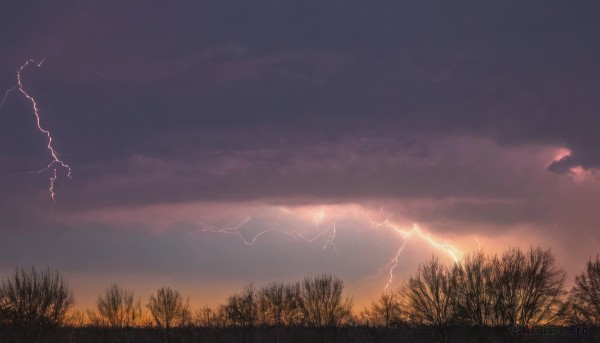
{"points": [[470, 119]]}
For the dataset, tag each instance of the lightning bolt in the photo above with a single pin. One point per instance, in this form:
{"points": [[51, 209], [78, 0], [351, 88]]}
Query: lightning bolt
{"points": [[52, 180], [329, 241], [448, 249], [56, 162], [235, 231], [328, 234], [478, 242], [319, 217], [391, 265]]}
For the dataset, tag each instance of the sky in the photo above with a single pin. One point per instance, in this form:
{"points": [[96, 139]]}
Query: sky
{"points": [[215, 144]]}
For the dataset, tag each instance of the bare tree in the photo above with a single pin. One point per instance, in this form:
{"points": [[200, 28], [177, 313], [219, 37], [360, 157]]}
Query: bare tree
{"points": [[278, 304], [241, 309], [169, 309], [585, 295], [292, 313], [208, 317], [528, 287], [322, 303], [431, 296], [35, 298], [116, 308], [75, 319], [385, 312], [475, 291]]}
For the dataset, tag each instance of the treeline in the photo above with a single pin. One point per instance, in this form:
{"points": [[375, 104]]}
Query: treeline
{"points": [[525, 288]]}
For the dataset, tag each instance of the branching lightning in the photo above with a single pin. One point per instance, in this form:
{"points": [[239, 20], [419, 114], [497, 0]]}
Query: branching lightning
{"points": [[326, 235], [56, 162], [446, 248], [236, 232]]}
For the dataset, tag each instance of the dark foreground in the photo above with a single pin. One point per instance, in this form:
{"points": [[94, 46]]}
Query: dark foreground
{"points": [[287, 334]]}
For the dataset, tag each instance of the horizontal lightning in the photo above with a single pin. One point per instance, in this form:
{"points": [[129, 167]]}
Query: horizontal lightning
{"points": [[327, 234], [235, 231]]}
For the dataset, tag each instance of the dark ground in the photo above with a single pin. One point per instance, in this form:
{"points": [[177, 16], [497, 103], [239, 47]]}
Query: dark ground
{"points": [[284, 334]]}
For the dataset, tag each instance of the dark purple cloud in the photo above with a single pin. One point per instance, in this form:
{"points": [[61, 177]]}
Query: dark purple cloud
{"points": [[122, 74], [450, 115]]}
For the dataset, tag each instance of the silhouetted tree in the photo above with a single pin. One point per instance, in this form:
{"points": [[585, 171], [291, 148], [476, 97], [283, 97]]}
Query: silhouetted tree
{"points": [[430, 295], [241, 309], [31, 298], [116, 308], [278, 304], [75, 319], [322, 303], [476, 291], [528, 287], [169, 309], [385, 312], [208, 317], [585, 295]]}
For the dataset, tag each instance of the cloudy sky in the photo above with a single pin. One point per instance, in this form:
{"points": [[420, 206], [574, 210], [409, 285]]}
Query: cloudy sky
{"points": [[218, 143]]}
